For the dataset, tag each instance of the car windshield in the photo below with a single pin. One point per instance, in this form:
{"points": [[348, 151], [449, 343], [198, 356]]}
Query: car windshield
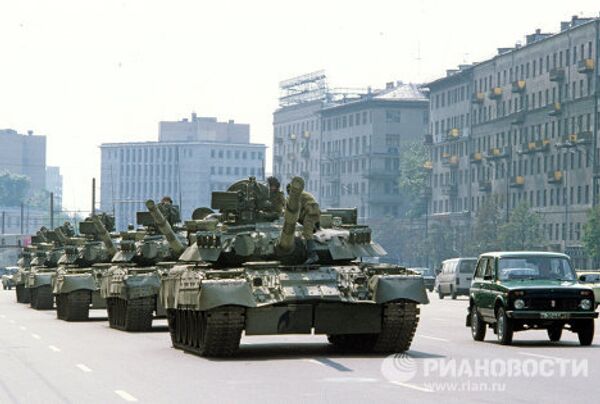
{"points": [[532, 268], [423, 271], [467, 266]]}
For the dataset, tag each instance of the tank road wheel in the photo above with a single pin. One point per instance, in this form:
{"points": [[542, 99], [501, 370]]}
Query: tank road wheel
{"points": [[60, 306], [42, 298], [212, 333], [399, 323], [171, 319], [23, 294], [76, 305]]}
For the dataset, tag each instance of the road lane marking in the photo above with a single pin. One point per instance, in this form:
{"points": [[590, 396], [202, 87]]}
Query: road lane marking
{"points": [[23, 327], [556, 358], [433, 338], [83, 368], [36, 336], [413, 386], [126, 396], [316, 362], [53, 348]]}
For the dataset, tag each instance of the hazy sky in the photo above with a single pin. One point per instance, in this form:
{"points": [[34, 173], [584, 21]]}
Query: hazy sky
{"points": [[88, 72]]}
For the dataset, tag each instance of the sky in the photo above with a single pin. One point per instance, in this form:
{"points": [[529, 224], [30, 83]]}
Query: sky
{"points": [[88, 72]]}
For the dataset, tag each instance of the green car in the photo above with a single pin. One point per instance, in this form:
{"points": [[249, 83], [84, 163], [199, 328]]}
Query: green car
{"points": [[517, 291]]}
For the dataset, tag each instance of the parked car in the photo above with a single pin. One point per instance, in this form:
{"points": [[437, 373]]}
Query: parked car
{"points": [[428, 276], [591, 279], [454, 277], [7, 277], [517, 291]]}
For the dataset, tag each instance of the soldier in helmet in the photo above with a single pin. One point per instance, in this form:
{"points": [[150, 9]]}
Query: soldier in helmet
{"points": [[276, 197], [169, 211], [309, 217]]}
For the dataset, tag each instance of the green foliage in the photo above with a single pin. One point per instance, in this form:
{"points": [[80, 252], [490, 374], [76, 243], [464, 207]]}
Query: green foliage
{"points": [[13, 188], [591, 234], [413, 179], [485, 229], [444, 240], [403, 239], [523, 230]]}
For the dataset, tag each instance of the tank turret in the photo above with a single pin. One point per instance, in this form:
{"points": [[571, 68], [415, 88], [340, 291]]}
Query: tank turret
{"points": [[165, 228], [104, 235]]}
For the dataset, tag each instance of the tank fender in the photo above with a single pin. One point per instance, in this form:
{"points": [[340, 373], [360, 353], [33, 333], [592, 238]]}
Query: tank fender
{"points": [[214, 293], [387, 288], [70, 283]]}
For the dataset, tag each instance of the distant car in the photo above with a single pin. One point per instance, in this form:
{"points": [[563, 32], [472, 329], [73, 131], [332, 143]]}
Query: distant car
{"points": [[454, 278], [7, 277], [591, 279], [428, 276], [516, 291]]}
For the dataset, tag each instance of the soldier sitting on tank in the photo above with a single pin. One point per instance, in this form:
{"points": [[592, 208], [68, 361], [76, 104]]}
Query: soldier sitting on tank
{"points": [[169, 211], [309, 217], [67, 229], [276, 197]]}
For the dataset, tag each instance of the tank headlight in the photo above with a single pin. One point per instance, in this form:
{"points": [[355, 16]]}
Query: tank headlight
{"points": [[585, 304], [519, 304]]}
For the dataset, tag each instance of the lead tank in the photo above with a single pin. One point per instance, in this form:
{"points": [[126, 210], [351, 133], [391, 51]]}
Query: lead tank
{"points": [[24, 266], [131, 284], [244, 271], [76, 283]]}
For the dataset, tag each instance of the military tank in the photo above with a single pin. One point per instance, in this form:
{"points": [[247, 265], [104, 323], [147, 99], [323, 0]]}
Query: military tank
{"points": [[44, 265], [76, 283], [244, 271], [24, 266], [131, 284]]}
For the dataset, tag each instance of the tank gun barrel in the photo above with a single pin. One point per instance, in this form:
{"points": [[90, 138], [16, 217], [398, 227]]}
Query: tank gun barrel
{"points": [[62, 239], [290, 216], [104, 236], [165, 228]]}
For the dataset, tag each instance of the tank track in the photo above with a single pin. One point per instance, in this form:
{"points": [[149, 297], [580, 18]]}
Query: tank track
{"points": [[212, 333], [131, 315], [73, 306], [23, 294], [399, 323], [42, 298]]}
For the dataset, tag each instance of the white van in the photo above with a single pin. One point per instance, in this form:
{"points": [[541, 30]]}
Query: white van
{"points": [[454, 277]]}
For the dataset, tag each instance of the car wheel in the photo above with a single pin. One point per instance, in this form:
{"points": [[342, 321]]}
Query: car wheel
{"points": [[440, 294], [478, 326], [555, 332], [504, 327], [585, 332], [452, 293]]}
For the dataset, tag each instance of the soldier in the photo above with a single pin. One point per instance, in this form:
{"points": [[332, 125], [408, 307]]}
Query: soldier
{"points": [[169, 211], [309, 217], [276, 197]]}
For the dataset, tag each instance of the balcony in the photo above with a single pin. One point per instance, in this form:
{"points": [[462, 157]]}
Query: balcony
{"points": [[478, 98], [485, 186], [450, 190], [543, 145], [428, 165], [293, 136], [428, 140], [453, 134], [555, 177], [306, 134], [557, 74], [517, 182], [451, 161], [527, 148], [497, 153], [476, 158], [576, 139], [518, 117], [585, 66], [496, 93], [518, 86], [555, 109]]}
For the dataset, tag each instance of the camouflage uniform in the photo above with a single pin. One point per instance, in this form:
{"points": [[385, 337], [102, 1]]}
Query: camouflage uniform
{"points": [[310, 215], [277, 200], [170, 212]]}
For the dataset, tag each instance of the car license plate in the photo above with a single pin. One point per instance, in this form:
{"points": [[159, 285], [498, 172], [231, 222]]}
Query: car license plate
{"points": [[553, 315]]}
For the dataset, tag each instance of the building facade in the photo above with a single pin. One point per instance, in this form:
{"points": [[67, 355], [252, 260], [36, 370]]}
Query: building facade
{"points": [[54, 184], [185, 170], [346, 144], [522, 127], [24, 155]]}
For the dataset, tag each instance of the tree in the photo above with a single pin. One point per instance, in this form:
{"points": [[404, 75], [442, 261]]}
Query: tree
{"points": [[591, 234], [443, 242], [485, 229], [413, 178], [13, 188], [523, 230]]}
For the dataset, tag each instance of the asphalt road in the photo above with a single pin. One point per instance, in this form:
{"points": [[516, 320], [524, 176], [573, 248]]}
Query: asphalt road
{"points": [[45, 360]]}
